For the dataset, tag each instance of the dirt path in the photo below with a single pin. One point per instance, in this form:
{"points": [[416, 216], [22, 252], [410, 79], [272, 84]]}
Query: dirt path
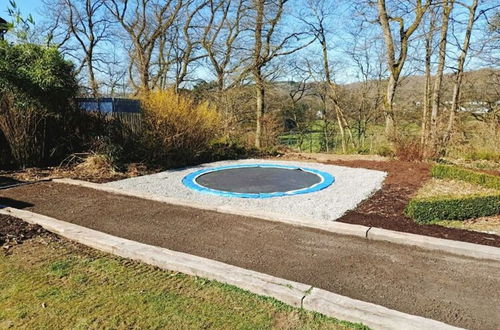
{"points": [[459, 291]]}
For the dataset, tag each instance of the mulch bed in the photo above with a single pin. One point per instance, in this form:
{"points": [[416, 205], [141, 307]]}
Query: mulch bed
{"points": [[385, 209]]}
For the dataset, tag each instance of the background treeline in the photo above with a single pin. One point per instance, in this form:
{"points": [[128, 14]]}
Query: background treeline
{"points": [[414, 78]]}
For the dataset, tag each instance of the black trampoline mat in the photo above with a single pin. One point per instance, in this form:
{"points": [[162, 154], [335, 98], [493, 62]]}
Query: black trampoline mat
{"points": [[255, 180]]}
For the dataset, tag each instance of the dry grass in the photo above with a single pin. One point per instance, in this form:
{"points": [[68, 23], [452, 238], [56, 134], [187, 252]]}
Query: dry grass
{"points": [[439, 187], [475, 164], [95, 168], [96, 165]]}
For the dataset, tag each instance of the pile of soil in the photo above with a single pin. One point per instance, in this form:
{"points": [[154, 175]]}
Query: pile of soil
{"points": [[385, 209], [14, 231]]}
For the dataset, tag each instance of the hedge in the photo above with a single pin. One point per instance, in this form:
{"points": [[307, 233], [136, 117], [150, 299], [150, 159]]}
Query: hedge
{"points": [[424, 210], [453, 172]]}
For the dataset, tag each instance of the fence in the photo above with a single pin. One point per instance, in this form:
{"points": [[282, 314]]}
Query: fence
{"points": [[131, 120], [127, 111]]}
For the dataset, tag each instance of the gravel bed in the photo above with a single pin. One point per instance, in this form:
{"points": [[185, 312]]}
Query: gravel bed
{"points": [[351, 186]]}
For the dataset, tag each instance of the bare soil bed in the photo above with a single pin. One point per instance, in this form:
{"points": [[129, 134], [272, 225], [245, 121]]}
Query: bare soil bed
{"points": [[456, 290]]}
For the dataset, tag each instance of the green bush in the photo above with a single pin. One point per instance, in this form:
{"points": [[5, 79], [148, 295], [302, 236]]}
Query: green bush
{"points": [[455, 173], [37, 87], [385, 151], [424, 210]]}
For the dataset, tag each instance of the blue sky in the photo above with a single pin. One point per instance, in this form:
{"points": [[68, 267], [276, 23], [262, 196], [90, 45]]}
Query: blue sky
{"points": [[345, 74], [27, 7]]}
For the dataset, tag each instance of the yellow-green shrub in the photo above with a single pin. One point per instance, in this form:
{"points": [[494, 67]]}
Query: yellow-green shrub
{"points": [[177, 126]]}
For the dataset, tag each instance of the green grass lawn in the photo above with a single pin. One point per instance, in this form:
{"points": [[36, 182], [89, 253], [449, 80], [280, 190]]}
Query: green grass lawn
{"points": [[57, 284]]}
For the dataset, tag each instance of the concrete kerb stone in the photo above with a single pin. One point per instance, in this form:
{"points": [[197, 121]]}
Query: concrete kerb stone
{"points": [[289, 292], [374, 316], [433, 243], [372, 233]]}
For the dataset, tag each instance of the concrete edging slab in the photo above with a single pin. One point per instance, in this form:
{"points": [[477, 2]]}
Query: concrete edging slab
{"points": [[432, 243], [372, 233], [292, 293], [340, 307]]}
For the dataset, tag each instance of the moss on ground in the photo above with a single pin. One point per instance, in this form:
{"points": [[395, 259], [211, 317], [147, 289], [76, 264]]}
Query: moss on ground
{"points": [[489, 225], [441, 187], [57, 284]]}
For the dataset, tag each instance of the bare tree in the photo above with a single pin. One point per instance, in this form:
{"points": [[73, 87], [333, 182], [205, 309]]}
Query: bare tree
{"points": [[362, 100], [459, 71], [299, 89], [447, 7], [84, 22], [396, 62], [144, 22], [429, 45], [187, 43], [267, 47], [317, 19], [221, 34]]}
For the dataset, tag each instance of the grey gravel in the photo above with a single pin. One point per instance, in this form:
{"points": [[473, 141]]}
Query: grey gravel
{"points": [[351, 186]]}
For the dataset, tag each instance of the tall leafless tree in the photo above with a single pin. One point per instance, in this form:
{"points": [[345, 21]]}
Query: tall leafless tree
{"points": [[144, 23], [459, 70], [268, 45], [397, 50], [188, 41], [319, 12], [447, 7], [86, 23], [426, 104], [223, 29]]}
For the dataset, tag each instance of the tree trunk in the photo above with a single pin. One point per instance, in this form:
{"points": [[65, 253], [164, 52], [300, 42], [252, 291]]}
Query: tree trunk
{"points": [[257, 71], [427, 87], [460, 73], [395, 65], [342, 133], [436, 93], [94, 87], [144, 73], [426, 103], [259, 111], [388, 106]]}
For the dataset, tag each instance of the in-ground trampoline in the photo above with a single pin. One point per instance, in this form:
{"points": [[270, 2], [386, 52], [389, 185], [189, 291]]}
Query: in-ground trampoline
{"points": [[258, 180], [299, 190]]}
